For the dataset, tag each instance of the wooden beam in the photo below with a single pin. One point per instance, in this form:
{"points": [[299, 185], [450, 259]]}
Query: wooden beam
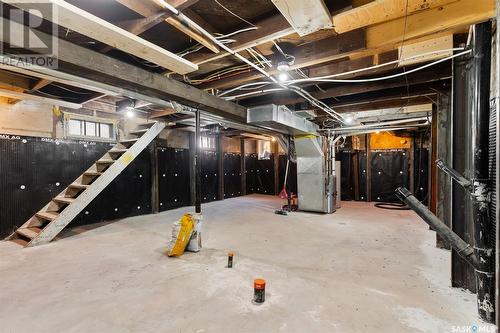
{"points": [[277, 26], [328, 49], [379, 11], [43, 100], [40, 84], [83, 22], [428, 23], [425, 76], [305, 16], [15, 81], [148, 8], [89, 68], [460, 13]]}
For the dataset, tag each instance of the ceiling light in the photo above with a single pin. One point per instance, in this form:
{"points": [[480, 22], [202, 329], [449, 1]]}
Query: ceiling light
{"points": [[283, 76], [130, 113], [283, 66], [349, 119]]}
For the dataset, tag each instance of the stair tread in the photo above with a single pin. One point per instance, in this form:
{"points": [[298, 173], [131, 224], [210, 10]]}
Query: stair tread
{"points": [[92, 173], [64, 200], [30, 233], [117, 150], [141, 131], [76, 185], [105, 161], [129, 140], [48, 215]]}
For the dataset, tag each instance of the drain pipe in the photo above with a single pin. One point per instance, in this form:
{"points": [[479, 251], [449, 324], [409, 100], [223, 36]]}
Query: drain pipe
{"points": [[458, 244], [479, 88]]}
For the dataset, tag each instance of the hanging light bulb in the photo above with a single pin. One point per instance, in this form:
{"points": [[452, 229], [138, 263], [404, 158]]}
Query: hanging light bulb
{"points": [[283, 76]]}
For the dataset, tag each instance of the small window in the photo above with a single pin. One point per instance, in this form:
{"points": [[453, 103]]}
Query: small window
{"points": [[207, 142], [264, 150], [75, 127], [90, 129]]}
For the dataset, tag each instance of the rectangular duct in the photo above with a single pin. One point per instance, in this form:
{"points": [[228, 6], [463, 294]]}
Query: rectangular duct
{"points": [[280, 119]]}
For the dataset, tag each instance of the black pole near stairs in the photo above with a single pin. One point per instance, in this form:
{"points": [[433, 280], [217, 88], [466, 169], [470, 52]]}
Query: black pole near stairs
{"points": [[197, 165]]}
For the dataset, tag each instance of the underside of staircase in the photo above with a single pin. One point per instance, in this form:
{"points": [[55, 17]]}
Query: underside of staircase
{"points": [[49, 221]]}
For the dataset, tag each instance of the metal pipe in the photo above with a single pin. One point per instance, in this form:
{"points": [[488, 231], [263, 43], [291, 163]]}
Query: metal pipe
{"points": [[497, 160], [479, 88], [465, 183], [197, 164], [458, 244]]}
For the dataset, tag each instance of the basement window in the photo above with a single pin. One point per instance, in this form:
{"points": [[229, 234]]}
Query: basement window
{"points": [[264, 149], [92, 129], [207, 142]]}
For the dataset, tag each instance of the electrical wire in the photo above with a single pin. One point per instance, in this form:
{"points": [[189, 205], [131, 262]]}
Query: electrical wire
{"points": [[235, 15], [381, 65], [384, 77]]}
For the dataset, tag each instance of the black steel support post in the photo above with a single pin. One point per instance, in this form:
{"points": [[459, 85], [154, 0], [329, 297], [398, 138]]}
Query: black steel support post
{"points": [[289, 161], [479, 88], [197, 165]]}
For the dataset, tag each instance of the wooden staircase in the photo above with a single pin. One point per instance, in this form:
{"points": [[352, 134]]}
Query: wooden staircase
{"points": [[47, 223]]}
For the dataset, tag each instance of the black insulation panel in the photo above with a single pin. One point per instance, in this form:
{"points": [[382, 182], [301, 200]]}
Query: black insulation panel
{"points": [[251, 171], [173, 178], [347, 175], [389, 170], [421, 177], [34, 170], [362, 173], [232, 175], [209, 176], [264, 176], [292, 174]]}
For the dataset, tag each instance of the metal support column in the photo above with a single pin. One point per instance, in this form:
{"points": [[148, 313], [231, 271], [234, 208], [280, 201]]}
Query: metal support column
{"points": [[220, 167], [243, 168], [479, 88], [155, 191], [197, 164]]}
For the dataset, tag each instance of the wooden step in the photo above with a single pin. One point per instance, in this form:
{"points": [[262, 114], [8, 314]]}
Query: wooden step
{"points": [[139, 132], [64, 200], [105, 161], [29, 232], [128, 141], [117, 151], [49, 216], [78, 186], [92, 173], [147, 125]]}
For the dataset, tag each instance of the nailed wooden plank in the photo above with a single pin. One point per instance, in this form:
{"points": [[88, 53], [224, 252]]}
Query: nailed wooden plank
{"points": [[85, 23], [43, 100], [14, 81], [305, 16]]}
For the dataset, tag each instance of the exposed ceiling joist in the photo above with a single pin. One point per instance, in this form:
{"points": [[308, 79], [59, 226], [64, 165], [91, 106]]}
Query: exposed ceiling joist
{"points": [[426, 23], [148, 8], [91, 68], [39, 99], [14, 81], [83, 22], [277, 26], [328, 49], [305, 16], [40, 84], [425, 76]]}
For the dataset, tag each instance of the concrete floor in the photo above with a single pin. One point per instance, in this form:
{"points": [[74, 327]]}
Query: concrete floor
{"points": [[361, 269]]}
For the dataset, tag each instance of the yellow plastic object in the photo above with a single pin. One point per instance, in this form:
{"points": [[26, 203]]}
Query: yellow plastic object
{"points": [[181, 234]]}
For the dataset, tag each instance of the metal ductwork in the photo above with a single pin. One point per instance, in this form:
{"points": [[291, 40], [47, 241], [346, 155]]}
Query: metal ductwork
{"points": [[279, 118], [315, 179]]}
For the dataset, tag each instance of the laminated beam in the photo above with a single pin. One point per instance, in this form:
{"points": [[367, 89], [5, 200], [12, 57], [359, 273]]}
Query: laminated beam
{"points": [[83, 22]]}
